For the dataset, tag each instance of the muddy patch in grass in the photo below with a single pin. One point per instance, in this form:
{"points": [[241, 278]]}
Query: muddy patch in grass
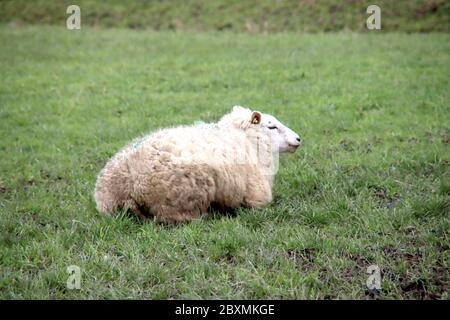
{"points": [[303, 258], [417, 290], [359, 259], [227, 258], [384, 199], [397, 254]]}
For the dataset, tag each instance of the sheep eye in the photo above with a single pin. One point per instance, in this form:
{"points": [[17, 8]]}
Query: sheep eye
{"points": [[273, 127]]}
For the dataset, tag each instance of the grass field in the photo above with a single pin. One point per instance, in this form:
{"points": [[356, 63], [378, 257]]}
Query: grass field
{"points": [[370, 185]]}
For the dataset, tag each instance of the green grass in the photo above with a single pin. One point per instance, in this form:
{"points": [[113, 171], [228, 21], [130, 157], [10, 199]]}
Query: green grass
{"points": [[253, 16], [369, 186]]}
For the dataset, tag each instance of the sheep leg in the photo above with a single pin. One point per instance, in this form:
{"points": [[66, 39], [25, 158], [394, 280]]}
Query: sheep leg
{"points": [[258, 195], [132, 206]]}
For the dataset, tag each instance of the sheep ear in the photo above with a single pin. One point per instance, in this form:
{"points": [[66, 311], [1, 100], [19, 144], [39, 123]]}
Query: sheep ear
{"points": [[256, 117]]}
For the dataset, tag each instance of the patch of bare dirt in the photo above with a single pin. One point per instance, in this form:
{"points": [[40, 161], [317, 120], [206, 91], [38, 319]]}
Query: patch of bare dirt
{"points": [[385, 200], [304, 258]]}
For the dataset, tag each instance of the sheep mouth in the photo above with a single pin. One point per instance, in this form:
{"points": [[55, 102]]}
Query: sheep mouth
{"points": [[293, 147]]}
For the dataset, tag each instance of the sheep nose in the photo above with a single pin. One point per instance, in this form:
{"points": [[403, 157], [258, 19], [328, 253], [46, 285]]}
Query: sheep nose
{"points": [[298, 139]]}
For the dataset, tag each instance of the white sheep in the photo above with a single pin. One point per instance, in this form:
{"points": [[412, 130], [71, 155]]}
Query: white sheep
{"points": [[176, 174]]}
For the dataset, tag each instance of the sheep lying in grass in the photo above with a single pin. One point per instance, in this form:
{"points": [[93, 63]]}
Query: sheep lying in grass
{"points": [[176, 174]]}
